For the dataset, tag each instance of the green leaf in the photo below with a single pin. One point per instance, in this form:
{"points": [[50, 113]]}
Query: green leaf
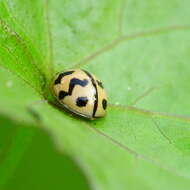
{"points": [[81, 28], [27, 154], [115, 158], [140, 50], [16, 97], [154, 78], [23, 41]]}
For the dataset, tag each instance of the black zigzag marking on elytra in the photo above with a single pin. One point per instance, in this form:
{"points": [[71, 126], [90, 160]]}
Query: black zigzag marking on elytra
{"points": [[96, 93], [59, 78], [72, 84]]}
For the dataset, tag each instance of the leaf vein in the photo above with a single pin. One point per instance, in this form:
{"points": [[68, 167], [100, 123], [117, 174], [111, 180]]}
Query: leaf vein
{"points": [[113, 44]]}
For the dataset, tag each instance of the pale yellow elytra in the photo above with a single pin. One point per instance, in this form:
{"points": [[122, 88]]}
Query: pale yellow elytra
{"points": [[81, 93]]}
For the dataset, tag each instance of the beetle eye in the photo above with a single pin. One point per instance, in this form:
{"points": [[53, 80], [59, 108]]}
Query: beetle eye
{"points": [[81, 101]]}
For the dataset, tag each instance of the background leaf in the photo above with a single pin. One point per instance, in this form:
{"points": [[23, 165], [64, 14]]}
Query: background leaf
{"points": [[108, 161], [29, 160], [16, 97], [86, 28]]}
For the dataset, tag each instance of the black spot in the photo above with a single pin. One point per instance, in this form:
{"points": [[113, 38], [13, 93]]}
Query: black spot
{"points": [[104, 103], [62, 94], [100, 84], [81, 101], [59, 78], [73, 83]]}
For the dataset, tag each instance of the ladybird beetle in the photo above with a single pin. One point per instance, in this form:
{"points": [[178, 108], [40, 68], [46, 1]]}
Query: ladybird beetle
{"points": [[81, 93]]}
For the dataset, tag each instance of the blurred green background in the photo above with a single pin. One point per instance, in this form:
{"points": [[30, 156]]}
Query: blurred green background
{"points": [[29, 160]]}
